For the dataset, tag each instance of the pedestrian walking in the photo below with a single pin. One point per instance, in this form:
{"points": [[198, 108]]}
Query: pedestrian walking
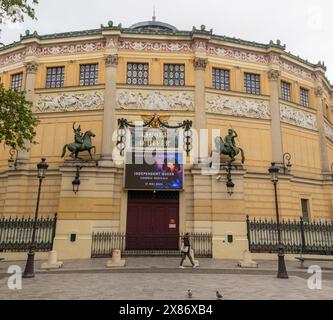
{"points": [[185, 250]]}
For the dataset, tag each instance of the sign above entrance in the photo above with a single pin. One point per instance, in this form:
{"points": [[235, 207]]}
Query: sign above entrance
{"points": [[159, 171]]}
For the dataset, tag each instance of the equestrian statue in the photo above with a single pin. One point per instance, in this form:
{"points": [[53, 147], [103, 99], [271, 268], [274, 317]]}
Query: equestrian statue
{"points": [[228, 146], [82, 142]]}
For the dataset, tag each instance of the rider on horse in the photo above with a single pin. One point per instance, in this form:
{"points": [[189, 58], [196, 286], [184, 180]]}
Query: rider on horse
{"points": [[78, 136], [230, 144]]}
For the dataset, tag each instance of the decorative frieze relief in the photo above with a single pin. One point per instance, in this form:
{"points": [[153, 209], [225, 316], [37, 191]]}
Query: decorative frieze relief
{"points": [[181, 101], [169, 46], [296, 70], [238, 54], [69, 101], [328, 132], [298, 117], [238, 107]]}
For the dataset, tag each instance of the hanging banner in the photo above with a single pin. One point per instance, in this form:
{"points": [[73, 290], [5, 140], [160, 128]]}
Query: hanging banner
{"points": [[154, 171]]}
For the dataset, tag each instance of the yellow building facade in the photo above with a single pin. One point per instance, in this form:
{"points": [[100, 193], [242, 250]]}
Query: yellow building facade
{"points": [[276, 102]]}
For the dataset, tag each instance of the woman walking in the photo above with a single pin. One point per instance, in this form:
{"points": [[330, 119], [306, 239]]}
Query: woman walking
{"points": [[186, 251]]}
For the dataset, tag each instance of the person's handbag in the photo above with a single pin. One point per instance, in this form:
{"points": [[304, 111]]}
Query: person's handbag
{"points": [[184, 249]]}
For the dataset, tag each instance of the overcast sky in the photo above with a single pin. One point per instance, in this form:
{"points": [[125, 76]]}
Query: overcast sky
{"points": [[305, 26]]}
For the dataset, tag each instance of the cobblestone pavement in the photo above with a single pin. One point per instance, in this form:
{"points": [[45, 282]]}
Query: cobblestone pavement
{"points": [[159, 278]]}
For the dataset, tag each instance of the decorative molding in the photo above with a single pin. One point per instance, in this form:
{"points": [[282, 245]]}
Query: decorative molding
{"points": [[71, 48], [31, 66], [238, 107], [111, 60], [319, 92], [298, 117], [51, 50], [200, 63], [329, 132], [12, 58], [237, 54], [273, 75], [168, 46], [296, 70], [69, 101], [181, 101]]}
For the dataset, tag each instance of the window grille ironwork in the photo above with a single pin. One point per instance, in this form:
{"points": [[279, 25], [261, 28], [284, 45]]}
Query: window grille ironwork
{"points": [[174, 75], [221, 79], [137, 73], [252, 83], [55, 77], [17, 81], [88, 74]]}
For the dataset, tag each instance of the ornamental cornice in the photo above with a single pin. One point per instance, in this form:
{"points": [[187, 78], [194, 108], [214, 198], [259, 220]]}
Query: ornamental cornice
{"points": [[298, 117]]}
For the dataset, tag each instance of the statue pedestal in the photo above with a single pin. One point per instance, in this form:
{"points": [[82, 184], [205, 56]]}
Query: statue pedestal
{"points": [[247, 261], [52, 262], [116, 260]]}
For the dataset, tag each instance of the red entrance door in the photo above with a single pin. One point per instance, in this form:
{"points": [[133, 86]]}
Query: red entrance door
{"points": [[152, 220]]}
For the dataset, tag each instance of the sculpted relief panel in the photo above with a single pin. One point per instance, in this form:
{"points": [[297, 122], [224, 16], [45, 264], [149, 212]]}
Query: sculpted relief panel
{"points": [[69, 101], [329, 132], [238, 107], [298, 117], [181, 101]]}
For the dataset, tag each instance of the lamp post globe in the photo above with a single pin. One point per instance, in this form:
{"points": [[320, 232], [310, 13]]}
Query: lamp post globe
{"points": [[29, 271]]}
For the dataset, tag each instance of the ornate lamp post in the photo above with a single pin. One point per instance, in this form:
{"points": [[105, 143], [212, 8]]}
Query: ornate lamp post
{"points": [[287, 167], [282, 271], [12, 162], [230, 185], [76, 182], [29, 267]]}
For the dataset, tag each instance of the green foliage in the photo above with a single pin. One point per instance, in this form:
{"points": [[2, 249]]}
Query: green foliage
{"points": [[15, 10], [17, 122]]}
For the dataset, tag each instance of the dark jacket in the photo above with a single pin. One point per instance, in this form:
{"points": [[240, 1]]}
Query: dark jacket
{"points": [[186, 241]]}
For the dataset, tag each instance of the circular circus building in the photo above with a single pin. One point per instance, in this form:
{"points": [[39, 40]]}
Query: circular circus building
{"points": [[107, 80]]}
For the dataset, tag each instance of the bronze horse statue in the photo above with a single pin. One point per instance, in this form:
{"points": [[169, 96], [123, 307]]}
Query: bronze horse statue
{"points": [[83, 145], [228, 146]]}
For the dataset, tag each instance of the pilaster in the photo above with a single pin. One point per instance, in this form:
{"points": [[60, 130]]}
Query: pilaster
{"points": [[277, 149]]}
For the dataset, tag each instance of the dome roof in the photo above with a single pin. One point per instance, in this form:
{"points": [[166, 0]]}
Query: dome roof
{"points": [[153, 25]]}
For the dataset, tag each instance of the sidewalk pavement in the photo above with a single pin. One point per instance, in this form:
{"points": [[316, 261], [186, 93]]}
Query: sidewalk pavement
{"points": [[169, 263]]}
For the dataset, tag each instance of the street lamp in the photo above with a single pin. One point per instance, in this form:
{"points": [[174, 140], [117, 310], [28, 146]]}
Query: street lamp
{"points": [[282, 271], [29, 267], [287, 167], [76, 182], [230, 185]]}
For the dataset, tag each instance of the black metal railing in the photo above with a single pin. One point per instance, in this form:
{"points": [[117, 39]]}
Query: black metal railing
{"points": [[296, 236], [16, 233], [104, 242]]}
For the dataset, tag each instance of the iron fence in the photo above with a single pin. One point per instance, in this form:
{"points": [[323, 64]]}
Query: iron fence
{"points": [[16, 233], [297, 236], [104, 242]]}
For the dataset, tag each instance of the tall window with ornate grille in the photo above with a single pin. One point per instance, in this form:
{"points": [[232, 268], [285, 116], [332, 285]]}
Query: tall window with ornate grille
{"points": [[17, 80], [55, 77], [88, 74], [252, 83], [221, 79]]}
